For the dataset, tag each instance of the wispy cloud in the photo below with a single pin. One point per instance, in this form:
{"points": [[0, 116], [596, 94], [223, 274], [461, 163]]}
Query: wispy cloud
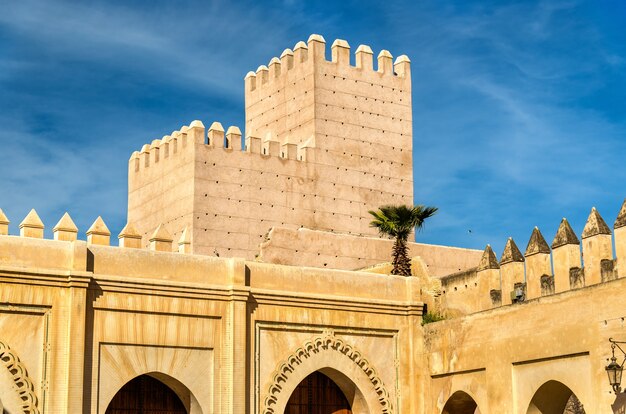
{"points": [[516, 104]]}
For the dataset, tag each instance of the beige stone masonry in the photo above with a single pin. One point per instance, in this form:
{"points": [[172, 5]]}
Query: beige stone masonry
{"points": [[4, 224], [620, 240], [565, 256], [195, 133], [365, 58], [597, 245], [385, 63], [511, 269], [216, 135], [489, 283], [233, 138], [65, 229], [161, 240], [99, 233], [129, 237], [286, 59], [184, 242], [402, 66], [325, 143], [538, 265], [340, 52], [32, 226]]}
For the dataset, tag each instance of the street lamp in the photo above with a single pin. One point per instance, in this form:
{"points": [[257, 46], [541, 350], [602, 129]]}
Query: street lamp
{"points": [[614, 370]]}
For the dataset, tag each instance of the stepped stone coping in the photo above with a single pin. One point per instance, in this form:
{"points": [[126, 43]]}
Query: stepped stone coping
{"points": [[595, 225], [161, 234], [402, 59], [129, 231], [385, 53], [488, 260], [233, 130], [3, 218], [564, 235], [99, 228], [511, 253], [364, 49], [32, 220], [341, 43], [286, 52], [216, 126], [537, 244], [66, 224], [316, 38]]}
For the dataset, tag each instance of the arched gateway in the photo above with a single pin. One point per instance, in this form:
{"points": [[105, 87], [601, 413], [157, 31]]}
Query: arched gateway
{"points": [[553, 397], [349, 372]]}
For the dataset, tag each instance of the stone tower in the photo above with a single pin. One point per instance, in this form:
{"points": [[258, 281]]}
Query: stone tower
{"points": [[325, 142]]}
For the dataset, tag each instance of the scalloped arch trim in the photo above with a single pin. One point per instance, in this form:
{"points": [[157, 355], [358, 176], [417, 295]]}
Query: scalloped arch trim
{"points": [[23, 383], [326, 341]]}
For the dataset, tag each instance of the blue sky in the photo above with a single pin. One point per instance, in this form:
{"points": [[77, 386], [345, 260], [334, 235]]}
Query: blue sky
{"points": [[519, 107]]}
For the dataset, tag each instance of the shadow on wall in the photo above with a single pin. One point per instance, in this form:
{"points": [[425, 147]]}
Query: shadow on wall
{"points": [[619, 406]]}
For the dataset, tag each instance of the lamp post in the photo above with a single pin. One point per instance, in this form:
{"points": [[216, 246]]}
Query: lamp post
{"points": [[614, 370]]}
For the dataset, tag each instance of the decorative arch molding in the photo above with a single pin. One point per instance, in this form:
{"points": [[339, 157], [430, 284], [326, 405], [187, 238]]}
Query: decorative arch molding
{"points": [[327, 341], [23, 383]]}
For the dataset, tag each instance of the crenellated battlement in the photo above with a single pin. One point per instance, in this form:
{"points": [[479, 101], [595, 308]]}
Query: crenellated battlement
{"points": [[325, 142], [568, 263], [65, 230], [160, 150], [293, 63]]}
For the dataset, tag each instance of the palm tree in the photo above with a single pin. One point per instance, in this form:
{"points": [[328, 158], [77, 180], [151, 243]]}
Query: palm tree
{"points": [[397, 222]]}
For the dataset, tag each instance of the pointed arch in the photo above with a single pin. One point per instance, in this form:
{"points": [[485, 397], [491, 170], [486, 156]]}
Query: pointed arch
{"points": [[342, 363], [551, 398], [170, 388], [22, 382], [460, 403]]}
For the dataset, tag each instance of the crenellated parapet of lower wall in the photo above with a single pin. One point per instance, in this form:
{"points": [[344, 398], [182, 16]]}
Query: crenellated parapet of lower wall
{"points": [[98, 233], [569, 262]]}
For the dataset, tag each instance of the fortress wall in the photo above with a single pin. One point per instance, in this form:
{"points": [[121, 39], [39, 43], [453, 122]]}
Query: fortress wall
{"points": [[161, 184], [86, 318], [503, 355], [460, 292], [544, 270], [343, 251], [325, 143]]}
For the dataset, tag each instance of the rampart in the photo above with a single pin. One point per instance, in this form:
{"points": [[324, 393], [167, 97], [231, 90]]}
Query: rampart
{"points": [[80, 319], [325, 142], [543, 269]]}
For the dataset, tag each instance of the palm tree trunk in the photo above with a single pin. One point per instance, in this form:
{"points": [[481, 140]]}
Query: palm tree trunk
{"points": [[400, 258]]}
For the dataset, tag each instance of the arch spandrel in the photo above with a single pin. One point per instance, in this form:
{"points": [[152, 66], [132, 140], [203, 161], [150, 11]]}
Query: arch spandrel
{"points": [[572, 373], [342, 363], [18, 392]]}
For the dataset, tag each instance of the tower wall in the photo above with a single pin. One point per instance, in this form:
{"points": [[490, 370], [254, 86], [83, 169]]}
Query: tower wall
{"points": [[325, 143]]}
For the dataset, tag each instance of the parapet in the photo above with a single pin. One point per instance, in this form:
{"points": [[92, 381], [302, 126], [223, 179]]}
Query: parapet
{"points": [[314, 52], [159, 150], [545, 270], [99, 234]]}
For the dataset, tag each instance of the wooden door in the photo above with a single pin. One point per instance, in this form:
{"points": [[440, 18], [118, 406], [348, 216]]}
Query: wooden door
{"points": [[145, 395], [318, 394]]}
